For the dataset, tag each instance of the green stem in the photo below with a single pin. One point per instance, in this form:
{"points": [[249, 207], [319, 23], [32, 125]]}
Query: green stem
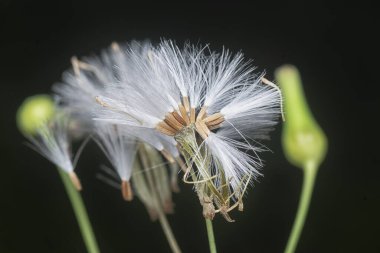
{"points": [[310, 172], [168, 232], [210, 235], [161, 215], [80, 213]]}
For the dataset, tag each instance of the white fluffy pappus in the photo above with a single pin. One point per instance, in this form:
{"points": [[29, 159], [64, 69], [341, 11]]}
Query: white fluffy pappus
{"points": [[53, 142], [154, 94], [225, 84], [139, 97], [119, 149]]}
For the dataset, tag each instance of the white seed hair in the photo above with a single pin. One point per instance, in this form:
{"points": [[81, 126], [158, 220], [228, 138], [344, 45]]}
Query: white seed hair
{"points": [[119, 149], [52, 142], [132, 88]]}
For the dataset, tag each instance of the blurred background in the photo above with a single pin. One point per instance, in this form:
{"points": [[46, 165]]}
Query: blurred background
{"points": [[332, 45]]}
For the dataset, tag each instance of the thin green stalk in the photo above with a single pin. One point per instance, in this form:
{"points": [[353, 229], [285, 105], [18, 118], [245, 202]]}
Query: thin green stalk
{"points": [[161, 215], [168, 232], [310, 172], [210, 235], [80, 214]]}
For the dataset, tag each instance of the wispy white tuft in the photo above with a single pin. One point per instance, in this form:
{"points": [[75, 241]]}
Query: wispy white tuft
{"points": [[236, 164], [226, 74], [252, 112], [119, 149], [52, 141], [138, 92]]}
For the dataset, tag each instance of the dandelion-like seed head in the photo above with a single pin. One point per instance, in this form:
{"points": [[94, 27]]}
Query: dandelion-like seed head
{"points": [[203, 111], [213, 106]]}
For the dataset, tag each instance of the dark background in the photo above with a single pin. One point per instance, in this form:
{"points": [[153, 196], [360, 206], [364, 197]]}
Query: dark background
{"points": [[333, 45]]}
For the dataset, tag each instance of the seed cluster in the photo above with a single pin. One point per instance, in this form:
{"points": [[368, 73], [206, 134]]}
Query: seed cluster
{"points": [[175, 121]]}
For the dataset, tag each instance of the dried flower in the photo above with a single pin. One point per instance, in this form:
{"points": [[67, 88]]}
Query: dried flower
{"points": [[212, 105]]}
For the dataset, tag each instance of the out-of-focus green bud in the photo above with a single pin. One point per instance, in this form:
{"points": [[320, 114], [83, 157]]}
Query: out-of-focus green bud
{"points": [[34, 111], [303, 140]]}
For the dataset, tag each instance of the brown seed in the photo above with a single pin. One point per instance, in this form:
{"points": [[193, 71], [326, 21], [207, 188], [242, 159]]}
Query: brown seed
{"points": [[192, 115], [126, 190], [186, 103], [179, 118], [202, 113], [75, 180], [213, 117], [184, 115], [200, 130], [218, 121], [173, 122], [164, 128]]}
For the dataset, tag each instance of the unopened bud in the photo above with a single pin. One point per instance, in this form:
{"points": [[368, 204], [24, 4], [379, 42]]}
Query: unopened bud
{"points": [[34, 111], [302, 138]]}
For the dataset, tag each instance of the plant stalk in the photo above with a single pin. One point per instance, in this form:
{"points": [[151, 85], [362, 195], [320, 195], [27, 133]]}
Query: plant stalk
{"points": [[168, 232], [210, 235], [80, 213], [161, 215], [310, 172]]}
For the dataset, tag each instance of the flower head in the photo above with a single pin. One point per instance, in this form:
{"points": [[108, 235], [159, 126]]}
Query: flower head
{"points": [[207, 107], [211, 104]]}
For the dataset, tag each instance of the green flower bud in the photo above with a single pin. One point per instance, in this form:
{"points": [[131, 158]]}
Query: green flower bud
{"points": [[303, 140], [33, 112]]}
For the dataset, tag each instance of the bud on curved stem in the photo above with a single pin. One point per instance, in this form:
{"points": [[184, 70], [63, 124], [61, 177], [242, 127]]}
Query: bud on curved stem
{"points": [[302, 138], [303, 141], [34, 112]]}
